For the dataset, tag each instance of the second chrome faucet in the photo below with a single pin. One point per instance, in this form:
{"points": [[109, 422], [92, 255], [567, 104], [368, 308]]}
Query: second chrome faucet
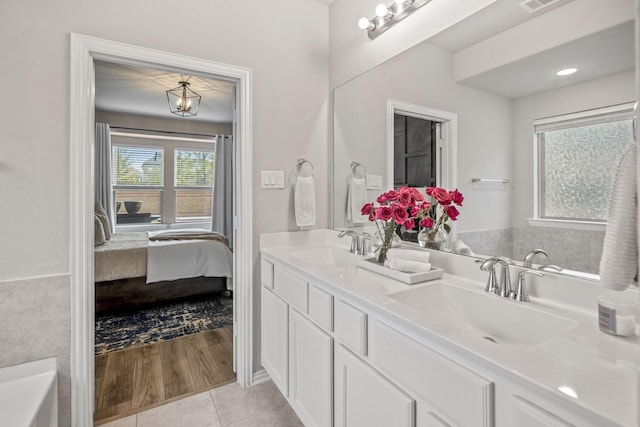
{"points": [[503, 287]]}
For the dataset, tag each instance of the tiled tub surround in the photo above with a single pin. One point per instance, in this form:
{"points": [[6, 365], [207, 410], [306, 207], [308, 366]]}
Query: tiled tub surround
{"points": [[599, 370], [35, 325], [516, 242]]}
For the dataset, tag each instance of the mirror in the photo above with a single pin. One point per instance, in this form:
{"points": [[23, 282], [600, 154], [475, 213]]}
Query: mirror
{"points": [[490, 110]]}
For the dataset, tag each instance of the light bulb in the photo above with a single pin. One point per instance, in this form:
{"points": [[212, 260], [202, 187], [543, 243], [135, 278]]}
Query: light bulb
{"points": [[179, 102], [364, 23], [381, 10]]}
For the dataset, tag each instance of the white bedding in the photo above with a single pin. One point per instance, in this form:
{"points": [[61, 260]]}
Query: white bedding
{"points": [[178, 259]]}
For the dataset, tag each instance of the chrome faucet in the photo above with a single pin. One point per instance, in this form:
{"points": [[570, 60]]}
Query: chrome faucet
{"points": [[354, 239], [521, 294], [530, 255], [359, 242], [504, 287]]}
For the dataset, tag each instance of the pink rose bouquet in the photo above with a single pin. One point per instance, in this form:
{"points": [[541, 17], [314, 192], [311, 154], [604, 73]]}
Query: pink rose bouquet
{"points": [[401, 207], [447, 200]]}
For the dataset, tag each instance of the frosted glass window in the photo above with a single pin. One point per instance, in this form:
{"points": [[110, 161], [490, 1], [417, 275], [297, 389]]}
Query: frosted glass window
{"points": [[577, 167]]}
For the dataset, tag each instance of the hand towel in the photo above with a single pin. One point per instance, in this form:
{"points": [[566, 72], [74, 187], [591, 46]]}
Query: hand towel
{"points": [[304, 201], [409, 254], [356, 199], [461, 248], [619, 261], [409, 266]]}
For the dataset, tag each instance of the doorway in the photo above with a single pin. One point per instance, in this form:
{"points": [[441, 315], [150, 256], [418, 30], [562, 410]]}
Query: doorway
{"points": [[441, 155], [84, 51]]}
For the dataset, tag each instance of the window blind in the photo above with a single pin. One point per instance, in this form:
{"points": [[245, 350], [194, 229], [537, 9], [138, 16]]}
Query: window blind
{"points": [[194, 168], [140, 166]]}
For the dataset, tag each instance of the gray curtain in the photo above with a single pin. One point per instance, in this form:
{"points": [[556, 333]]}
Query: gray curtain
{"points": [[103, 188], [222, 209]]}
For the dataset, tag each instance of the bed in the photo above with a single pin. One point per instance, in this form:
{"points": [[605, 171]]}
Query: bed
{"points": [[134, 269]]}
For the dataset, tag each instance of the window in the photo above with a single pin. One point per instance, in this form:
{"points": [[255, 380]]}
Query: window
{"points": [[170, 178], [193, 184], [138, 174], [577, 158]]}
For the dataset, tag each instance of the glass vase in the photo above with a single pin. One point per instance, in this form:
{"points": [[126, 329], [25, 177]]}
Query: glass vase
{"points": [[432, 239], [385, 239]]}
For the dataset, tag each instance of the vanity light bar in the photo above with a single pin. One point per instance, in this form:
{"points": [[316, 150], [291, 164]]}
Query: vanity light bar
{"points": [[387, 17]]}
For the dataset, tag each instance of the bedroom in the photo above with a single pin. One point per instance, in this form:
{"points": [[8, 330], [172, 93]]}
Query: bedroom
{"points": [[158, 291]]}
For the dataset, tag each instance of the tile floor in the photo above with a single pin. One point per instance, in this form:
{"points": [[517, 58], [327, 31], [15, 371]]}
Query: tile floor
{"points": [[261, 405]]}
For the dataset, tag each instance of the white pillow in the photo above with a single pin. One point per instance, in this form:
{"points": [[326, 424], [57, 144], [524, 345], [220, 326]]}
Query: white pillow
{"points": [[98, 232], [104, 218]]}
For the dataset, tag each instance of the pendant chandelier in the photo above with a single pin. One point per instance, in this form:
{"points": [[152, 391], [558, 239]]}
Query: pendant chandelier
{"points": [[183, 101]]}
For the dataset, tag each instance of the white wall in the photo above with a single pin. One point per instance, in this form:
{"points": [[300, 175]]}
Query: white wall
{"points": [[352, 52], [288, 53], [612, 90], [423, 75], [289, 58]]}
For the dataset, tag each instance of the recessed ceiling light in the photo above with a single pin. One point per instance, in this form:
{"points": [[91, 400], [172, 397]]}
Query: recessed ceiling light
{"points": [[566, 71]]}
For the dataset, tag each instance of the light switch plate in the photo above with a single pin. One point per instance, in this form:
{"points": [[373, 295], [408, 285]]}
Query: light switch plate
{"points": [[272, 180], [374, 182]]}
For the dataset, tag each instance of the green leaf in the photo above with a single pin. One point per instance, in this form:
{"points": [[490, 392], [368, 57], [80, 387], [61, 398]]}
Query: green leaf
{"points": [[446, 227]]}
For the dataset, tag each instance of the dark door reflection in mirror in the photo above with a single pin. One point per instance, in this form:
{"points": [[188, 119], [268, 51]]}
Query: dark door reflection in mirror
{"points": [[414, 154]]}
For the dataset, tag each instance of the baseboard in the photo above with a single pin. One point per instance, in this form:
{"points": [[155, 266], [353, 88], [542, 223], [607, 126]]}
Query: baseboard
{"points": [[260, 376]]}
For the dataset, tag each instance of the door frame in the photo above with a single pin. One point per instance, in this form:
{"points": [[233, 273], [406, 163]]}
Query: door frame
{"points": [[84, 50], [447, 142]]}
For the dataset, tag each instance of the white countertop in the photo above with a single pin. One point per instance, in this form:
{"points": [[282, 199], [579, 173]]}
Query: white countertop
{"points": [[602, 370]]}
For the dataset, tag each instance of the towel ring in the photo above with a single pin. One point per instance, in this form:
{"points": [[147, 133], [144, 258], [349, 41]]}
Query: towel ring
{"points": [[354, 170], [300, 164]]}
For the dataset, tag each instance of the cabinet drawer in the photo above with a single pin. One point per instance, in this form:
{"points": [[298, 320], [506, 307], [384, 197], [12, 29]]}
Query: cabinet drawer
{"points": [[266, 274], [321, 307], [351, 327], [437, 381], [291, 288], [527, 414]]}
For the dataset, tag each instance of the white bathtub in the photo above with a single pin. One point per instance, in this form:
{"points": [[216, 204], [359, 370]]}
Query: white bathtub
{"points": [[28, 395]]}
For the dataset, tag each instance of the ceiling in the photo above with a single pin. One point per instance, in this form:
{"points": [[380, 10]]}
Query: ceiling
{"points": [[137, 90], [602, 54], [598, 55]]}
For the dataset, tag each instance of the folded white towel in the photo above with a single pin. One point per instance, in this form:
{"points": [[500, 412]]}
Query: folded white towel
{"points": [[409, 266], [304, 201], [460, 247], [409, 254], [619, 261], [356, 199]]}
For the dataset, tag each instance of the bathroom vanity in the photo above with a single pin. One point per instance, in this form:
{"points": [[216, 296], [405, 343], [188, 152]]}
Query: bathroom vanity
{"points": [[350, 348]]}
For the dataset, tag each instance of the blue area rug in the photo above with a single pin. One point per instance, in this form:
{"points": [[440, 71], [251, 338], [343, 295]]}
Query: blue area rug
{"points": [[122, 330]]}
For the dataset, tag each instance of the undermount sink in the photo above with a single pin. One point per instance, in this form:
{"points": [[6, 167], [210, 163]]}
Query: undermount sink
{"points": [[324, 256], [499, 320]]}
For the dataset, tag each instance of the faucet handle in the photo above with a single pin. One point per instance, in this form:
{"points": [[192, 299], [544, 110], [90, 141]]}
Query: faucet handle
{"points": [[550, 267], [520, 294], [489, 265]]}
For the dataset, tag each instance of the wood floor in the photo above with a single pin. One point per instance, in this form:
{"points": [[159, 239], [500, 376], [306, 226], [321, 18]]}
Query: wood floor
{"points": [[132, 380]]}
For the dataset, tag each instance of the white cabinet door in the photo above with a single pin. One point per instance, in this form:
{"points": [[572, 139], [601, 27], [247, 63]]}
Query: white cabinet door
{"points": [[310, 372], [275, 339], [364, 398]]}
